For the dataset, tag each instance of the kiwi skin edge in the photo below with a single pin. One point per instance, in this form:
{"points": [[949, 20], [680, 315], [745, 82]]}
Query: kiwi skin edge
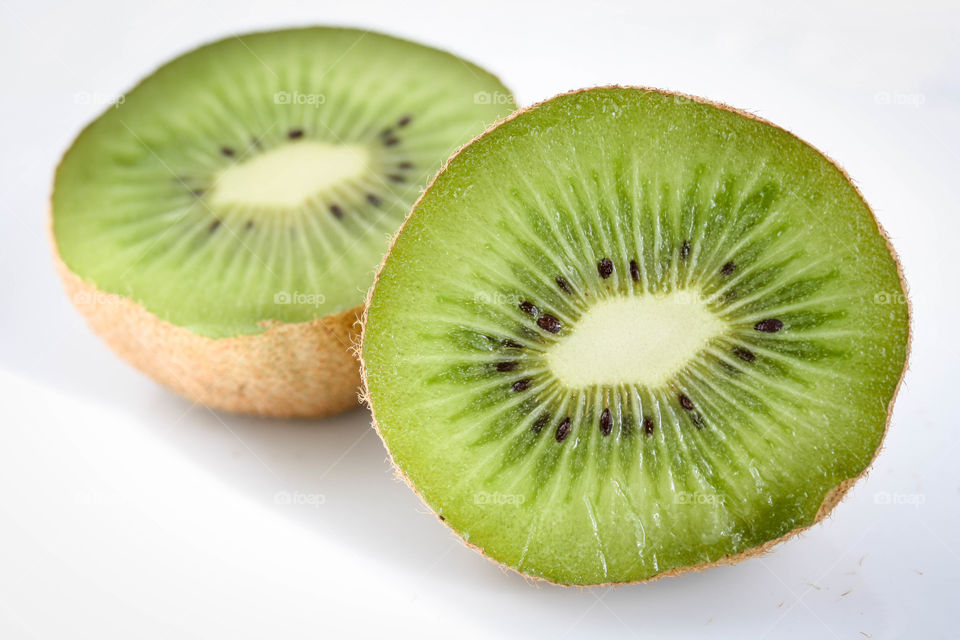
{"points": [[832, 498], [300, 369]]}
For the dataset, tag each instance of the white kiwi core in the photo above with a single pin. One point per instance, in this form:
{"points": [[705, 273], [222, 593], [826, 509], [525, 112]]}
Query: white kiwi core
{"points": [[641, 340], [290, 175]]}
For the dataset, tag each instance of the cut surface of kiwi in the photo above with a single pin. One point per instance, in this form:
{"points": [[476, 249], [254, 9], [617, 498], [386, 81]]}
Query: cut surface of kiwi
{"points": [[627, 333], [252, 183]]}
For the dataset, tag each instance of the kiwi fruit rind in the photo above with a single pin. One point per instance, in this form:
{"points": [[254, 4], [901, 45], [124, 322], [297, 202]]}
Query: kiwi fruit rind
{"points": [[220, 226], [627, 334]]}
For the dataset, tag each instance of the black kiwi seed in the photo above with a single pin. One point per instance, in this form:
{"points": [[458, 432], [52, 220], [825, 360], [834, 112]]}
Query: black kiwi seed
{"points": [[744, 354], [214, 226], [685, 250], [392, 140], [249, 225], [648, 426], [405, 165], [540, 423], [227, 151], [635, 271], [508, 365], [606, 422], [336, 211], [563, 430], [605, 267], [404, 121], [396, 178], [548, 323], [728, 268], [294, 134], [685, 402], [529, 308], [521, 385], [770, 325], [198, 192], [386, 132], [563, 284], [374, 200], [510, 344], [697, 420]]}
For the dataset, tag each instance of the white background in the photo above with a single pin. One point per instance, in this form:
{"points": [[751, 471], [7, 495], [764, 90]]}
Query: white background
{"points": [[125, 512]]}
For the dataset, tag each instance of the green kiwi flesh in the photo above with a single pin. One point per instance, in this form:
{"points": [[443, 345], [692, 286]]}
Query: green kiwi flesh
{"points": [[258, 179], [628, 333]]}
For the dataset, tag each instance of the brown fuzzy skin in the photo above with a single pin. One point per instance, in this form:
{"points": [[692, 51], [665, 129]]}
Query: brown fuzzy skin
{"points": [[290, 370], [832, 497]]}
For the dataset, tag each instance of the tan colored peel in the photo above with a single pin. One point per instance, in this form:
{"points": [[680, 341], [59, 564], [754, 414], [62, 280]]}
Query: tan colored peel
{"points": [[833, 496], [290, 370]]}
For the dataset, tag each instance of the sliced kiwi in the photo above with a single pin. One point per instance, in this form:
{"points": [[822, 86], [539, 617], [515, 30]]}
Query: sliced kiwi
{"points": [[221, 224], [625, 334]]}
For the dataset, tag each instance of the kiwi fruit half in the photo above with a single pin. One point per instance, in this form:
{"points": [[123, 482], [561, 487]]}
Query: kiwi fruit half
{"points": [[220, 225], [627, 333]]}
